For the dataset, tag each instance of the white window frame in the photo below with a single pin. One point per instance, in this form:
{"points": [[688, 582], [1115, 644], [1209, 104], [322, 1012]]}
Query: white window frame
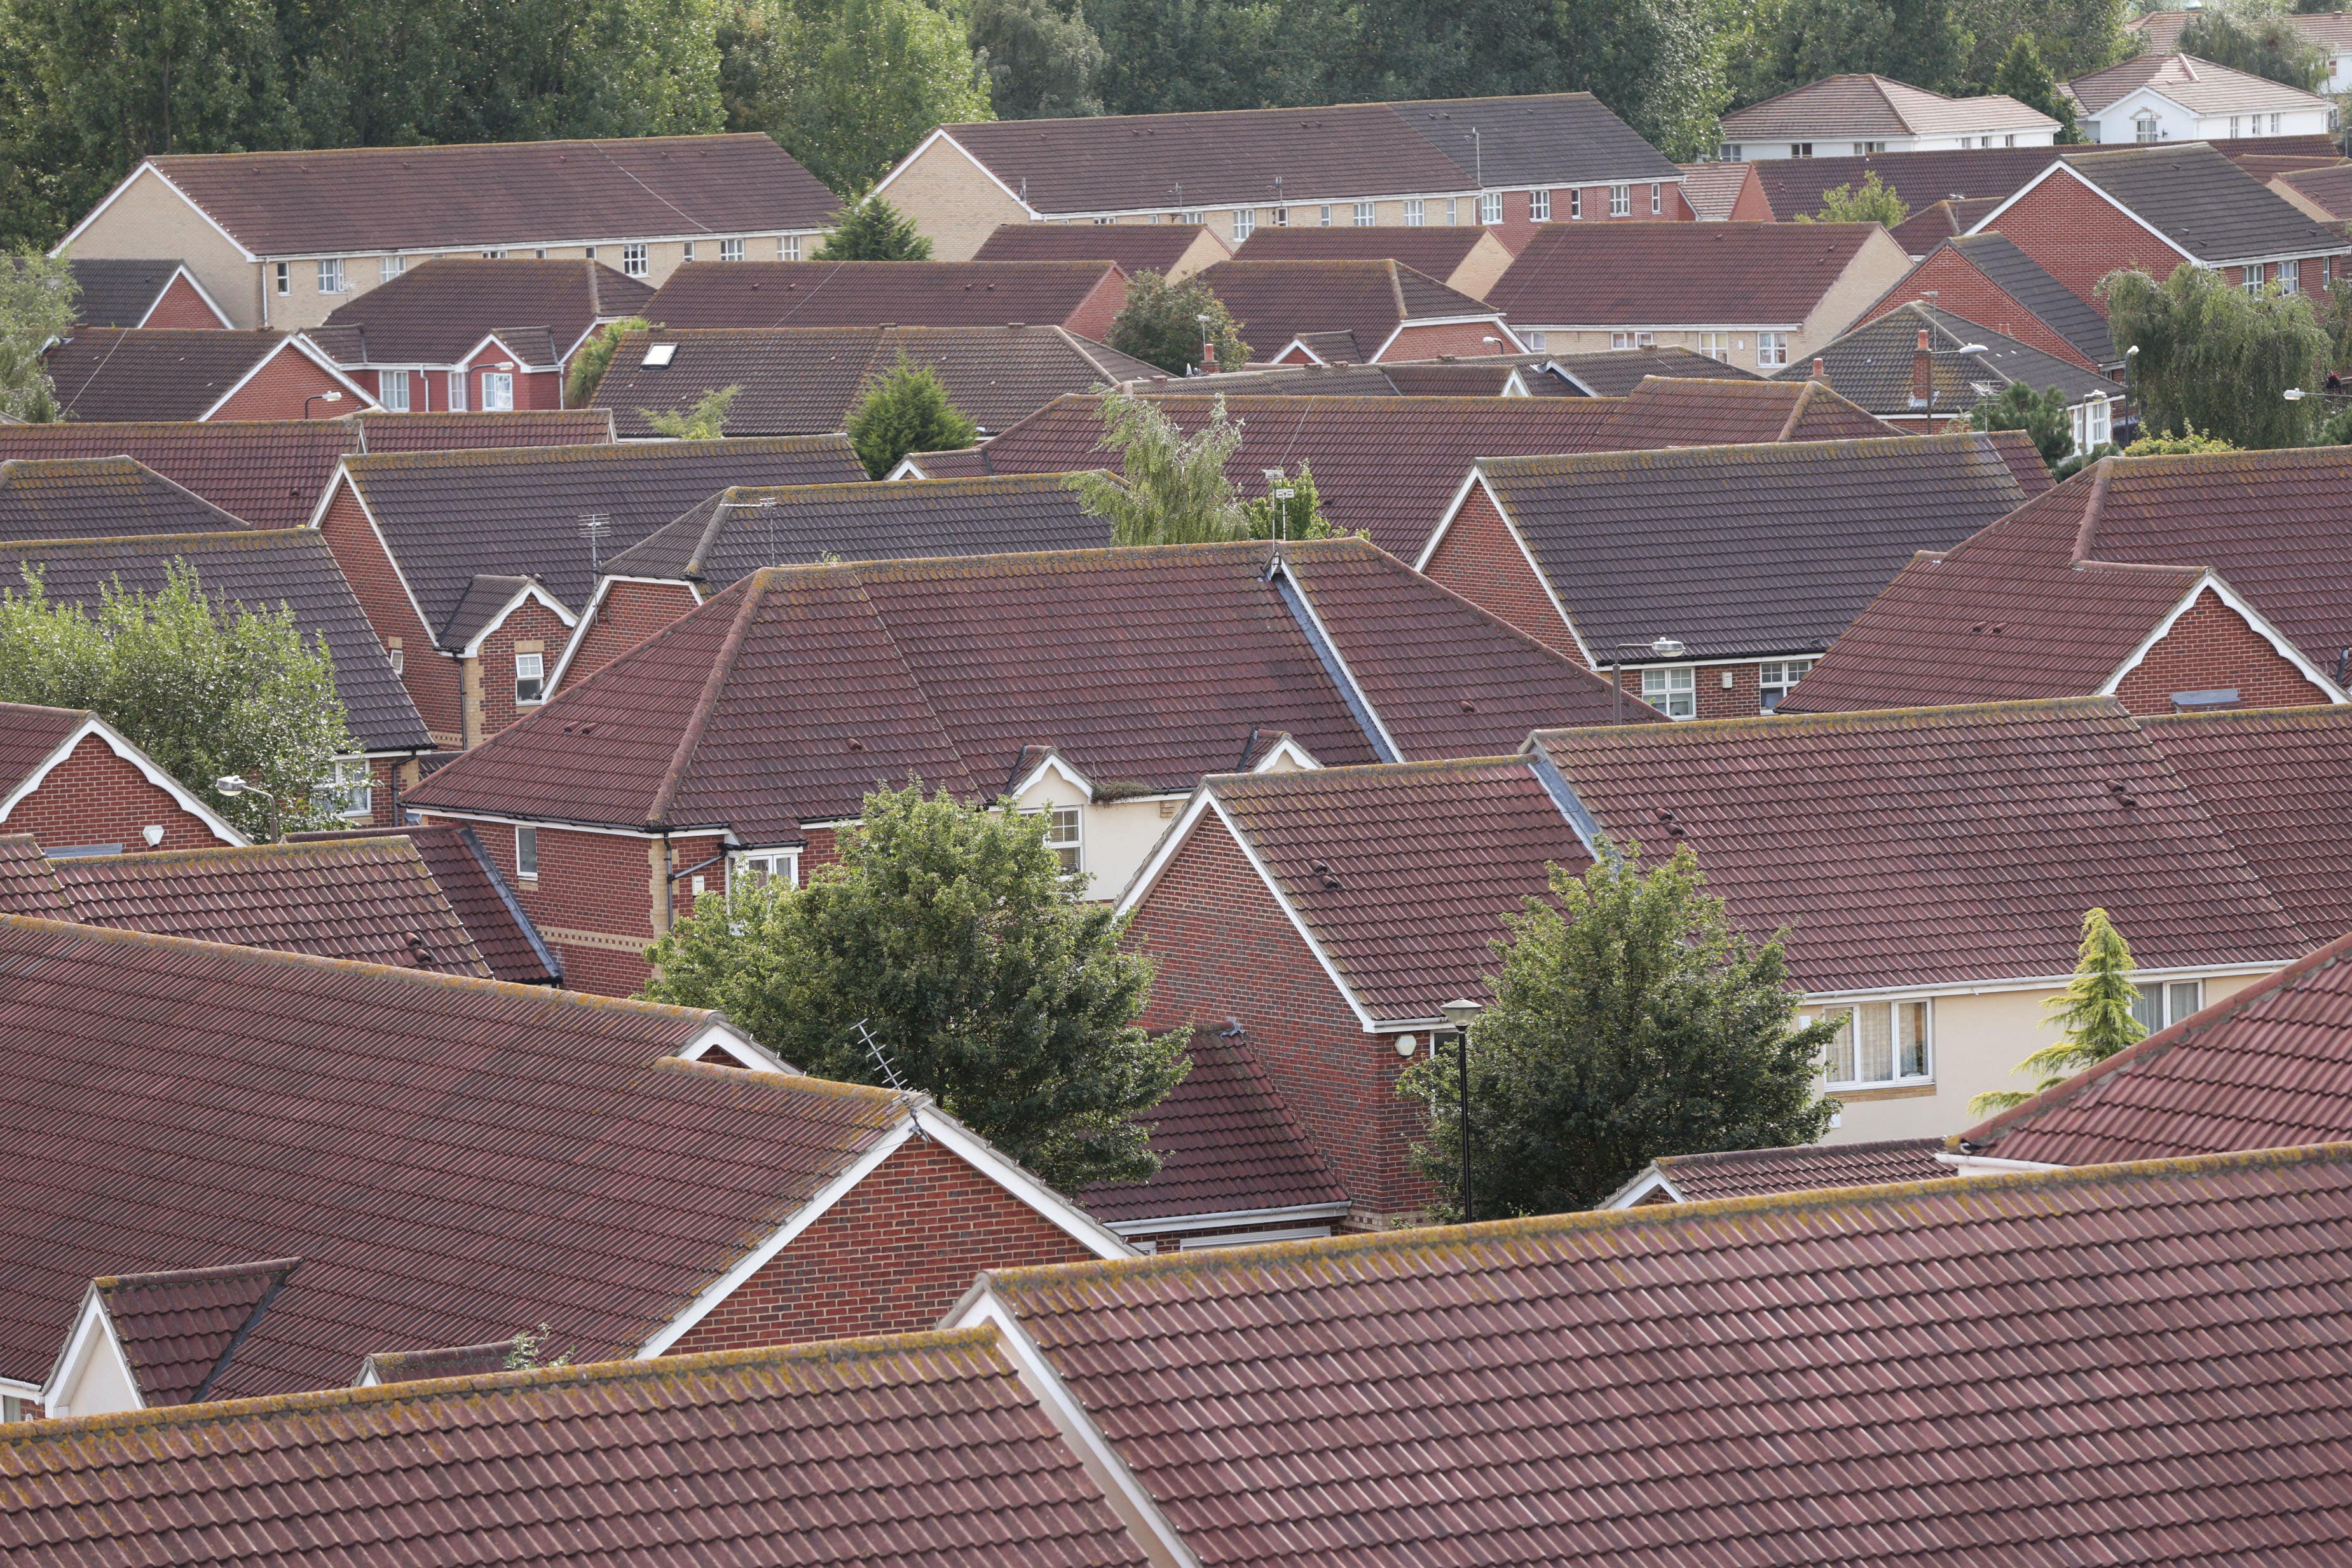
{"points": [[1533, 339], [730, 250], [1620, 201], [789, 248], [530, 674], [525, 853], [2163, 1003], [636, 260], [392, 389], [494, 254], [1727, 153], [285, 278], [1323, 217], [1539, 206], [1490, 207], [1657, 199], [1864, 149], [686, 251], [1575, 202], [1715, 346], [2275, 119], [2145, 129], [1244, 222], [1800, 149], [1771, 349], [388, 268], [1069, 846], [457, 391], [2234, 127], [2290, 277], [1364, 218], [330, 275], [349, 788], [1673, 684], [498, 391], [1777, 677], [753, 868], [2254, 275], [1848, 1050], [1416, 211]]}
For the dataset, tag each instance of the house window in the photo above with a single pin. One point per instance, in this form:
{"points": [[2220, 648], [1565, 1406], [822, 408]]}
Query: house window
{"points": [[2161, 1006], [527, 854], [633, 260], [2008, 140], [1415, 212], [349, 788], [1633, 340], [2253, 277], [1657, 200], [685, 252], [1728, 152], [1771, 349], [1452, 216], [530, 679], [1674, 692], [330, 275], [2090, 129], [1800, 149], [2290, 276], [2233, 124], [1773, 679], [388, 268], [2144, 128], [494, 256], [2102, 423], [1716, 345], [1880, 1043], [1533, 339], [758, 867], [1539, 205], [590, 252], [1363, 214], [1575, 202], [1322, 217], [789, 248], [2275, 119], [285, 278], [1620, 201], [457, 391], [1490, 207], [1245, 221], [392, 389], [1061, 836], [498, 391], [393, 655], [1282, 217], [730, 250], [1864, 149]]}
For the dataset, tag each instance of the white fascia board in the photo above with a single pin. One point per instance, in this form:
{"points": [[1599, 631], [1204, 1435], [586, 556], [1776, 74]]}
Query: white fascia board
{"points": [[1312, 356], [982, 1307], [466, 360], [907, 469], [2059, 167], [301, 345], [137, 758], [203, 293], [1659, 326], [1287, 748], [718, 831], [1511, 339], [1996, 984], [523, 595], [1052, 763], [736, 1048], [989, 1161], [1229, 1216], [2222, 590], [1652, 1179], [1985, 1165], [93, 1336], [941, 135], [1355, 687], [148, 167], [1470, 481]]}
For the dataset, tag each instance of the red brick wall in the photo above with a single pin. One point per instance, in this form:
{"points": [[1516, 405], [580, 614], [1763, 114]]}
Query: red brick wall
{"points": [[2209, 648], [1966, 292], [530, 622], [541, 389], [182, 306], [1226, 950], [891, 1257], [1092, 318], [598, 883], [630, 613], [1751, 206], [1716, 700], [279, 389], [2079, 236], [433, 681], [1479, 560], [95, 797], [1455, 338]]}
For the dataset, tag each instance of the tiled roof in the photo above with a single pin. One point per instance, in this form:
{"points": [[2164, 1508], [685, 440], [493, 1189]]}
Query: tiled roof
{"points": [[1180, 162], [2280, 783], [1934, 846], [2329, 188], [2197, 85], [451, 517], [1924, 230], [267, 472], [1433, 252], [449, 1361], [476, 889], [2203, 203], [119, 291], [152, 373], [29, 733], [262, 568], [374, 900], [1604, 275], [98, 498], [2040, 1368], [441, 308], [1872, 365], [1226, 1144], [1682, 411], [1745, 551], [968, 462], [805, 380], [178, 1327], [1616, 373], [1858, 104], [876, 293], [2057, 307], [2051, 600], [912, 1451], [1136, 248], [1484, 376], [1147, 666], [2267, 1068], [1275, 301], [455, 1159], [479, 608], [1794, 186], [1809, 1167], [1410, 919], [380, 432], [29, 885], [743, 529], [1713, 189], [497, 194]]}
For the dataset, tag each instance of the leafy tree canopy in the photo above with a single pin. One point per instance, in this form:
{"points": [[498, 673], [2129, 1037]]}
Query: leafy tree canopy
{"points": [[2024, 78], [2093, 1015], [36, 307], [1159, 323], [852, 89], [594, 358], [205, 688], [2042, 415], [1874, 203], [1789, 43], [2187, 444], [1042, 59], [907, 411], [951, 933], [2214, 357], [706, 421], [873, 230], [2259, 40], [1175, 490]]}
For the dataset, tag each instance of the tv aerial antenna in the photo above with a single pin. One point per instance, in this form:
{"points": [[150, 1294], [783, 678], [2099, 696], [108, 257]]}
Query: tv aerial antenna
{"points": [[889, 1071]]}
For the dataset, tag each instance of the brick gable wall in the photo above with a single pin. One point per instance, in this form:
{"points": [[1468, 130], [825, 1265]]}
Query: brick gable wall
{"points": [[593, 901], [1464, 338], [280, 388], [1967, 293], [531, 627], [631, 612], [95, 797], [1093, 317], [1226, 950], [2079, 236], [434, 682], [891, 1257], [1480, 561], [532, 389], [181, 306], [2212, 647]]}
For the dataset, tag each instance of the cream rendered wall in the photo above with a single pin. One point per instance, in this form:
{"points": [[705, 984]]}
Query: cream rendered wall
{"points": [[150, 220], [1115, 836], [954, 202], [104, 1387], [1978, 1040], [1878, 266]]}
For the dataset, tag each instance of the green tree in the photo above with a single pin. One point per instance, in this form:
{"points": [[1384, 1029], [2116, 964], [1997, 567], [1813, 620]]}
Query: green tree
{"points": [[594, 358], [883, 74], [2257, 40], [1042, 59], [1298, 516], [1219, 54], [1176, 491], [909, 409], [2042, 416], [873, 230], [951, 932], [1159, 323], [36, 307], [1630, 1020], [2024, 78], [2214, 356], [206, 687], [2072, 37], [706, 421], [2190, 443], [2094, 1015], [1874, 203], [1789, 43]]}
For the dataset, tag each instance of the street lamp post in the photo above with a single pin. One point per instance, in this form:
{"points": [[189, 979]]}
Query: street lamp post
{"points": [[1662, 648], [234, 784], [1462, 1014], [2129, 355], [320, 397]]}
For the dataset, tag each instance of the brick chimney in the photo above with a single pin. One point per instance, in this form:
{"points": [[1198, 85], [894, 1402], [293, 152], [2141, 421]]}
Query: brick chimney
{"points": [[1208, 359], [1820, 370], [1923, 373]]}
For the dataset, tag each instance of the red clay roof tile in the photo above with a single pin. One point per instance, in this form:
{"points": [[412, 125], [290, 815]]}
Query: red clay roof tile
{"points": [[877, 293], [1135, 247], [475, 888], [1627, 275], [179, 1328], [1808, 1167], [441, 308], [97, 499], [1363, 302]]}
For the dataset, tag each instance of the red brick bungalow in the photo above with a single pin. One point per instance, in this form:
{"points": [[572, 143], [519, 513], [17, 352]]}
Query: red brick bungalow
{"points": [[157, 373], [124, 291], [69, 779], [470, 1160]]}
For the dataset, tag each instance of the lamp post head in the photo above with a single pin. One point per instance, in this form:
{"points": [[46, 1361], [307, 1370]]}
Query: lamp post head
{"points": [[2130, 351], [330, 397], [1668, 648], [2292, 394], [1462, 1013], [233, 784]]}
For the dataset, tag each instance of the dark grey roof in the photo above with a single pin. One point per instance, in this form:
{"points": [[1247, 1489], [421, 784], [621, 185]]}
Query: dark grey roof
{"points": [[485, 597], [1748, 549], [262, 568], [1615, 372], [119, 291], [449, 518], [745, 529], [1522, 140], [2202, 202], [442, 308], [2025, 280], [1872, 365], [152, 373], [98, 498]]}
